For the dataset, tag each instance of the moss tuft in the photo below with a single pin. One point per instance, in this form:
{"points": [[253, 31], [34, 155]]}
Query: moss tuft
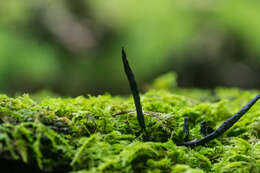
{"points": [[102, 134]]}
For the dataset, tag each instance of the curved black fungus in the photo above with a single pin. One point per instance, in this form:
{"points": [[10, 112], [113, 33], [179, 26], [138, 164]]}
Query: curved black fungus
{"points": [[224, 126], [134, 89]]}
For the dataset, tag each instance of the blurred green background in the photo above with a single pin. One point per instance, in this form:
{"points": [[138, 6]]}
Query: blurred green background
{"points": [[73, 47]]}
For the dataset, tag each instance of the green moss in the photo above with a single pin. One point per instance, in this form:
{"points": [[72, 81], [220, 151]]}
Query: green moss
{"points": [[102, 134]]}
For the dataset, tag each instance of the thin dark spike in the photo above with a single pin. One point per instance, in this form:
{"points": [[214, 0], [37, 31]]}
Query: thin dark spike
{"points": [[134, 89], [203, 129], [186, 129], [224, 126]]}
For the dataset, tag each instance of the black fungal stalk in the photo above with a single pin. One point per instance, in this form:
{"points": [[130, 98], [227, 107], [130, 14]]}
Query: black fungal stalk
{"points": [[134, 89], [224, 126], [205, 129], [186, 129]]}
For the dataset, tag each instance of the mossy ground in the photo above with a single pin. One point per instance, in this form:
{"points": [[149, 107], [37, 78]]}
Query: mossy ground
{"points": [[88, 135]]}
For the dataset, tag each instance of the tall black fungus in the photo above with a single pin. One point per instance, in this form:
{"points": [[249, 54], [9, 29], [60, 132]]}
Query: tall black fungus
{"points": [[134, 89]]}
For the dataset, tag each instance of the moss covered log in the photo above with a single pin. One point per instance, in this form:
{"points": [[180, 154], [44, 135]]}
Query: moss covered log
{"points": [[102, 134]]}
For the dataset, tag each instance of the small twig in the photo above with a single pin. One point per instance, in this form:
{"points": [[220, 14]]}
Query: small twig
{"points": [[134, 89], [159, 116], [123, 112], [224, 126], [155, 114]]}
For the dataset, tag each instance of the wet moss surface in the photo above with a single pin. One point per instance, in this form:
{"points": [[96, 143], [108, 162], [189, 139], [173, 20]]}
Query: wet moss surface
{"points": [[102, 134]]}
